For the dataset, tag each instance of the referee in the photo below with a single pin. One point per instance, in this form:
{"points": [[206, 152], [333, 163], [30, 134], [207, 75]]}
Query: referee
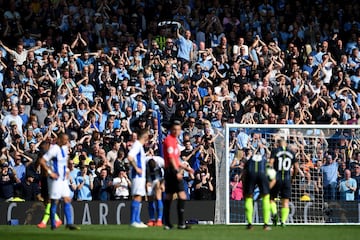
{"points": [[174, 177]]}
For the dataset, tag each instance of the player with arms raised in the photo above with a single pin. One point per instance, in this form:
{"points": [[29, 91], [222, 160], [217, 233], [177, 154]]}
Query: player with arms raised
{"points": [[282, 159], [54, 162], [255, 174], [174, 176]]}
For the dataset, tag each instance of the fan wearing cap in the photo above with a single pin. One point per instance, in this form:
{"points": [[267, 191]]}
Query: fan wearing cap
{"points": [[231, 118], [174, 176], [13, 124], [110, 123], [122, 185]]}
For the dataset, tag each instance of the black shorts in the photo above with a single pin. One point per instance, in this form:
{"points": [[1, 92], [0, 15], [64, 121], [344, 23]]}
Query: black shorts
{"points": [[253, 179], [282, 187], [172, 184], [44, 191]]}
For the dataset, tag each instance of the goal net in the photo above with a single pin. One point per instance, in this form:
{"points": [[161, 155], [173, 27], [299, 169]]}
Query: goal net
{"points": [[313, 199]]}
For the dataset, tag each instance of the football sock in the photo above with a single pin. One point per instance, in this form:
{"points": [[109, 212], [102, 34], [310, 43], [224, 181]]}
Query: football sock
{"points": [[180, 211], [134, 210], [273, 208], [266, 208], [159, 209], [52, 213], [138, 213], [284, 214], [167, 205], [249, 208], [151, 208], [47, 213], [68, 214]]}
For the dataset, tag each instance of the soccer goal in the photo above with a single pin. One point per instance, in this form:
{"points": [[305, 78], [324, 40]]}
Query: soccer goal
{"points": [[311, 202]]}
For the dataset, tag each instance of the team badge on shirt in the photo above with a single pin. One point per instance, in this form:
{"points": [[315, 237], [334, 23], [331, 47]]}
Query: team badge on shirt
{"points": [[170, 150]]}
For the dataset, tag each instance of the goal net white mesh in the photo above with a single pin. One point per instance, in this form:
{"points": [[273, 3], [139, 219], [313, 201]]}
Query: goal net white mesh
{"points": [[315, 197]]}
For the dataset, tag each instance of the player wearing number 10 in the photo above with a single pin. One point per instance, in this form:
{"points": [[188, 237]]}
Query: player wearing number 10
{"points": [[282, 159]]}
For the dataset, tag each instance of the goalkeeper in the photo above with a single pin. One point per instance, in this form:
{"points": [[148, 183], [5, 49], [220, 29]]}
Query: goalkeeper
{"points": [[255, 174], [282, 159]]}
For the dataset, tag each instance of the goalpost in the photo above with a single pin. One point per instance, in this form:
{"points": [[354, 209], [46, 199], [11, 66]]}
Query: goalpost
{"points": [[308, 204]]}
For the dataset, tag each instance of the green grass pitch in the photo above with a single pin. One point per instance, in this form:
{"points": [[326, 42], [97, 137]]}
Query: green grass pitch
{"points": [[198, 232]]}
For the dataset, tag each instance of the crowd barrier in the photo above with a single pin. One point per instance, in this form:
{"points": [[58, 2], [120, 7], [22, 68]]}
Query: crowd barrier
{"points": [[96, 212]]}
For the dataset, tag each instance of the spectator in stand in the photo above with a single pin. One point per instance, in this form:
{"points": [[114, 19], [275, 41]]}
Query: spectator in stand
{"points": [[113, 154], [204, 187], [40, 112], [29, 190], [102, 186], [356, 176], [19, 165], [13, 119], [295, 68], [84, 184], [185, 46], [19, 53], [347, 187], [192, 129], [7, 180], [330, 173], [236, 188], [238, 163], [122, 185]]}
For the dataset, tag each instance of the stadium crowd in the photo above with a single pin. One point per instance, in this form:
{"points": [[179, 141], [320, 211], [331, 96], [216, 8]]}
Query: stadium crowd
{"points": [[101, 70]]}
